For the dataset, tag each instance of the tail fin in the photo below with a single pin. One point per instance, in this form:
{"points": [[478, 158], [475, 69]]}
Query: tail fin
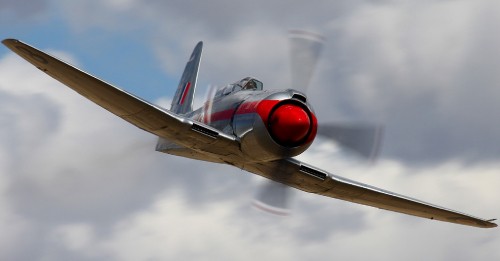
{"points": [[183, 99]]}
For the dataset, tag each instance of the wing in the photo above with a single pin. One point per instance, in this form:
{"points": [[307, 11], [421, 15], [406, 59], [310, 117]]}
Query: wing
{"points": [[203, 138], [138, 112], [307, 178]]}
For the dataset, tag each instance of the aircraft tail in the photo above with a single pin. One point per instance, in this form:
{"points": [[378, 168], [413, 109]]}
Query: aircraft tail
{"points": [[184, 96]]}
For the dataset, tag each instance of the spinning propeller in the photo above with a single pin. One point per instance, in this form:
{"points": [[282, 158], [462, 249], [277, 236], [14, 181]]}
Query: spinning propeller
{"points": [[363, 139]]}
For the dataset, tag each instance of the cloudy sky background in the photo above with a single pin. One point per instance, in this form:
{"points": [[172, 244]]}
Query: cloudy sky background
{"points": [[77, 183]]}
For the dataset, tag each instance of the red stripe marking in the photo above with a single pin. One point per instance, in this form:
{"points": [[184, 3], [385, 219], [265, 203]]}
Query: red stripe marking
{"points": [[186, 90], [263, 108], [245, 108], [248, 107]]}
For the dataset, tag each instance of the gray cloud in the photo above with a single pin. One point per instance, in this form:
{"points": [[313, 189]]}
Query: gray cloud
{"points": [[431, 80], [85, 194], [77, 183], [223, 18], [17, 10]]}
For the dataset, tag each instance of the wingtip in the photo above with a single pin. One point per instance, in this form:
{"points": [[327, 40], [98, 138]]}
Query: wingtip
{"points": [[491, 224], [483, 223], [8, 41]]}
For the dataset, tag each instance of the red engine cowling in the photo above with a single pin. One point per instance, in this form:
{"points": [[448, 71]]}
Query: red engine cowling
{"points": [[273, 129]]}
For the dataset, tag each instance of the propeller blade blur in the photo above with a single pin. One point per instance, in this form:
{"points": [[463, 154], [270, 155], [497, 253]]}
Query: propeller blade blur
{"points": [[365, 140], [209, 101], [273, 197], [305, 48]]}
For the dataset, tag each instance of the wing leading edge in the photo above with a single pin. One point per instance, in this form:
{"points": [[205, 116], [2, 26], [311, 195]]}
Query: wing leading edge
{"points": [[310, 179], [203, 138], [136, 111]]}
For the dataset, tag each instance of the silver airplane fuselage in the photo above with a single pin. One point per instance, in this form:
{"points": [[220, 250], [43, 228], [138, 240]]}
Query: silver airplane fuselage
{"points": [[243, 125], [270, 124]]}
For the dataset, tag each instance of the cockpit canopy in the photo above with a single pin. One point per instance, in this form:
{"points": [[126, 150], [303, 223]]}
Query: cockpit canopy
{"points": [[247, 84], [250, 84]]}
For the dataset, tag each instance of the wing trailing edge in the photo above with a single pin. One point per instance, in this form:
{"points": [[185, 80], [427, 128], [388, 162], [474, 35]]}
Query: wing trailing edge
{"points": [[136, 111], [203, 138]]}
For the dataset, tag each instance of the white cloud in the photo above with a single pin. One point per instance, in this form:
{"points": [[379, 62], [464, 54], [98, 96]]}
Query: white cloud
{"points": [[77, 182], [13, 226], [81, 186], [172, 229], [75, 237]]}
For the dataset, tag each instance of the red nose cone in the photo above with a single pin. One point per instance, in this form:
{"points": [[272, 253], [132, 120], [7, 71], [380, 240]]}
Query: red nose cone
{"points": [[289, 124]]}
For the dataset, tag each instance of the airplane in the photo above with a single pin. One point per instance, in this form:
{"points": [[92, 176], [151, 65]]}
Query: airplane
{"points": [[243, 125]]}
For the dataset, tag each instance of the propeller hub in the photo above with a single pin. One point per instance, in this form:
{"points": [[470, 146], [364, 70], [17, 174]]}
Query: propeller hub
{"points": [[290, 124]]}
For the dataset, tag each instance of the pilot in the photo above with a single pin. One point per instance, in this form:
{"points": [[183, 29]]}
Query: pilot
{"points": [[250, 85]]}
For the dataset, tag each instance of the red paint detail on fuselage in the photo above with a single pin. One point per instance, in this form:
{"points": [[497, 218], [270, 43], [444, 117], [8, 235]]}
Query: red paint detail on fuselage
{"points": [[297, 125], [314, 128], [249, 107], [289, 124], [265, 108], [262, 107], [221, 115], [185, 92]]}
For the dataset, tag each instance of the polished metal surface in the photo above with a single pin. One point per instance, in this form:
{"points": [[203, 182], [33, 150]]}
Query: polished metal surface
{"points": [[234, 140]]}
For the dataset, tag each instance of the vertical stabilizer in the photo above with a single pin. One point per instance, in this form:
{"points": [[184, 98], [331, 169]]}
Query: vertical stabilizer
{"points": [[184, 96]]}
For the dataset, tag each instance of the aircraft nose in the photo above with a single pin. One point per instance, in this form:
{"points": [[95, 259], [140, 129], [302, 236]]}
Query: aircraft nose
{"points": [[289, 124]]}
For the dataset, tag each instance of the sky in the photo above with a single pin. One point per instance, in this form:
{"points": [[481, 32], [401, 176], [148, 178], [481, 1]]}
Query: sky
{"points": [[78, 183]]}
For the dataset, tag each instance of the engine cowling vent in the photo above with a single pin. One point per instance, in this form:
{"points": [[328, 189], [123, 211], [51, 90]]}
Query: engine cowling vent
{"points": [[299, 97]]}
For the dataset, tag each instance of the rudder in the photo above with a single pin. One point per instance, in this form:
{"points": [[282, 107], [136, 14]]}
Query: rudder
{"points": [[184, 96]]}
